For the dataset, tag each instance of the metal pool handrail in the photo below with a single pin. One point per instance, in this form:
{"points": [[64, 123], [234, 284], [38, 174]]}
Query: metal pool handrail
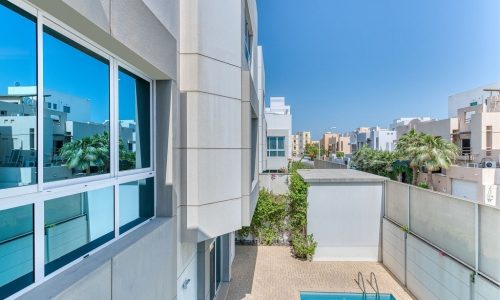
{"points": [[360, 276], [375, 288]]}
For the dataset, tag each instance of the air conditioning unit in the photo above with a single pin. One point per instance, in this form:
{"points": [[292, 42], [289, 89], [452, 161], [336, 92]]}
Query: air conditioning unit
{"points": [[490, 164]]}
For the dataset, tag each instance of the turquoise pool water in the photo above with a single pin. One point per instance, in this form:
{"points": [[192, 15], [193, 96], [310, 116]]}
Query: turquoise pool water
{"points": [[343, 296]]}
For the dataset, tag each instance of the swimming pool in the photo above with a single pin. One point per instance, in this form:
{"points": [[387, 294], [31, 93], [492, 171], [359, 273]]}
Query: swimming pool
{"points": [[343, 296]]}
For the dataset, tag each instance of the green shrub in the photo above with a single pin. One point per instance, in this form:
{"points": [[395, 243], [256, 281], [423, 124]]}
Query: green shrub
{"points": [[303, 246], [298, 203], [268, 221], [243, 233], [423, 185], [340, 154], [268, 236]]}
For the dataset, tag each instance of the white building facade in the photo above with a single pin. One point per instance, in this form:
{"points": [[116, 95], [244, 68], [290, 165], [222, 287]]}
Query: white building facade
{"points": [[279, 130], [116, 190]]}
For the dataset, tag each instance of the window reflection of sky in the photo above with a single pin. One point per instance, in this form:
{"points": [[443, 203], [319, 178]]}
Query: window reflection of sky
{"points": [[67, 71]]}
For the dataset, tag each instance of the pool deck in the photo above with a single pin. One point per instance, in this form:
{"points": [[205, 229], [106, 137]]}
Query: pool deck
{"points": [[271, 273]]}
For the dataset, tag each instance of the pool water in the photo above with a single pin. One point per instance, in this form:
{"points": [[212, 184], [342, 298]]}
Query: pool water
{"points": [[343, 296]]}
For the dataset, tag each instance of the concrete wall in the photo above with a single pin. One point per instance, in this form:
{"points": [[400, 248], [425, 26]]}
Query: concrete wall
{"points": [[141, 32], [135, 267], [325, 164], [275, 183], [345, 219], [211, 154], [427, 273], [394, 250]]}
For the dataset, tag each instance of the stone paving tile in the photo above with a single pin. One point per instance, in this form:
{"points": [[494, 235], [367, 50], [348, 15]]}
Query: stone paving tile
{"points": [[271, 273]]}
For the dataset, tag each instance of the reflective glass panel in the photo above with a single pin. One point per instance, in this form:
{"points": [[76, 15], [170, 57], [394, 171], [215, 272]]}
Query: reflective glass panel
{"points": [[16, 249], [18, 113], [76, 110], [76, 224], [136, 203], [134, 97]]}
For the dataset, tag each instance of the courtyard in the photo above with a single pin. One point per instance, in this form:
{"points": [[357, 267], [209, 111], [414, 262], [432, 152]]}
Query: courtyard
{"points": [[270, 272]]}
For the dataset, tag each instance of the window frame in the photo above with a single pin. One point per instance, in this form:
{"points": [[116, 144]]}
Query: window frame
{"points": [[276, 150], [65, 32], [130, 69], [37, 193]]}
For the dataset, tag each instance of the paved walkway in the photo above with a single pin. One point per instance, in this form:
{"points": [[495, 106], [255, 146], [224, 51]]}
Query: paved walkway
{"points": [[271, 273]]}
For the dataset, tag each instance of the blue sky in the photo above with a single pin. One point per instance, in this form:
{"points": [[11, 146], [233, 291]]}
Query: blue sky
{"points": [[358, 63]]}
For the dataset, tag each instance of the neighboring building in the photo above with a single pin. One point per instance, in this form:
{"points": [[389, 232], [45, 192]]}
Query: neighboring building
{"points": [[443, 128], [343, 144], [160, 137], [359, 138], [327, 141], [382, 139], [279, 130], [469, 98], [476, 132], [405, 121], [303, 138], [373, 137], [294, 140]]}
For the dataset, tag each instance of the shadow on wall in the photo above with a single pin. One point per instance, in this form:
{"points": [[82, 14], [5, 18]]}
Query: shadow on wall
{"points": [[243, 271]]}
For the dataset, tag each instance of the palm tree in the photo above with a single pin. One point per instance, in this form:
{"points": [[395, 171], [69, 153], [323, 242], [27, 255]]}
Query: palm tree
{"points": [[435, 153], [83, 153], [408, 146]]}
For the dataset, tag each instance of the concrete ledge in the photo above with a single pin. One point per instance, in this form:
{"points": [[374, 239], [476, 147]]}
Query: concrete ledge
{"points": [[96, 265], [339, 175]]}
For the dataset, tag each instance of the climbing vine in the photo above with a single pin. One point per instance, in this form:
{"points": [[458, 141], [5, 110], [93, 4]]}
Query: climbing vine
{"points": [[280, 218]]}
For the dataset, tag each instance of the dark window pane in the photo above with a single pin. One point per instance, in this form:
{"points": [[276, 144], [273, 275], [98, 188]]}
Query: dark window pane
{"points": [[16, 249], [76, 224], [18, 90], [136, 203], [76, 120], [281, 142], [134, 115]]}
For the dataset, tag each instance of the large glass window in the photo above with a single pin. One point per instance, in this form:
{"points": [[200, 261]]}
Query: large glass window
{"points": [[76, 110], [134, 97], [76, 224], [136, 203], [75, 136], [276, 146], [18, 113], [16, 249]]}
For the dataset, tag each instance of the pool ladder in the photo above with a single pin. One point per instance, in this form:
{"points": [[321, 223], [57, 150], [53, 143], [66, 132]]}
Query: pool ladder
{"points": [[372, 282], [361, 284]]}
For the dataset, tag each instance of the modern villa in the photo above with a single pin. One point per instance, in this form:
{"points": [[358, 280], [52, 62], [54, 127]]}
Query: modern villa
{"points": [[129, 179]]}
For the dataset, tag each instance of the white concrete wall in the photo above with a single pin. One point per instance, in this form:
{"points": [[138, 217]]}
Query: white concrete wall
{"points": [[430, 274], [393, 249], [211, 117], [275, 183], [345, 220]]}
